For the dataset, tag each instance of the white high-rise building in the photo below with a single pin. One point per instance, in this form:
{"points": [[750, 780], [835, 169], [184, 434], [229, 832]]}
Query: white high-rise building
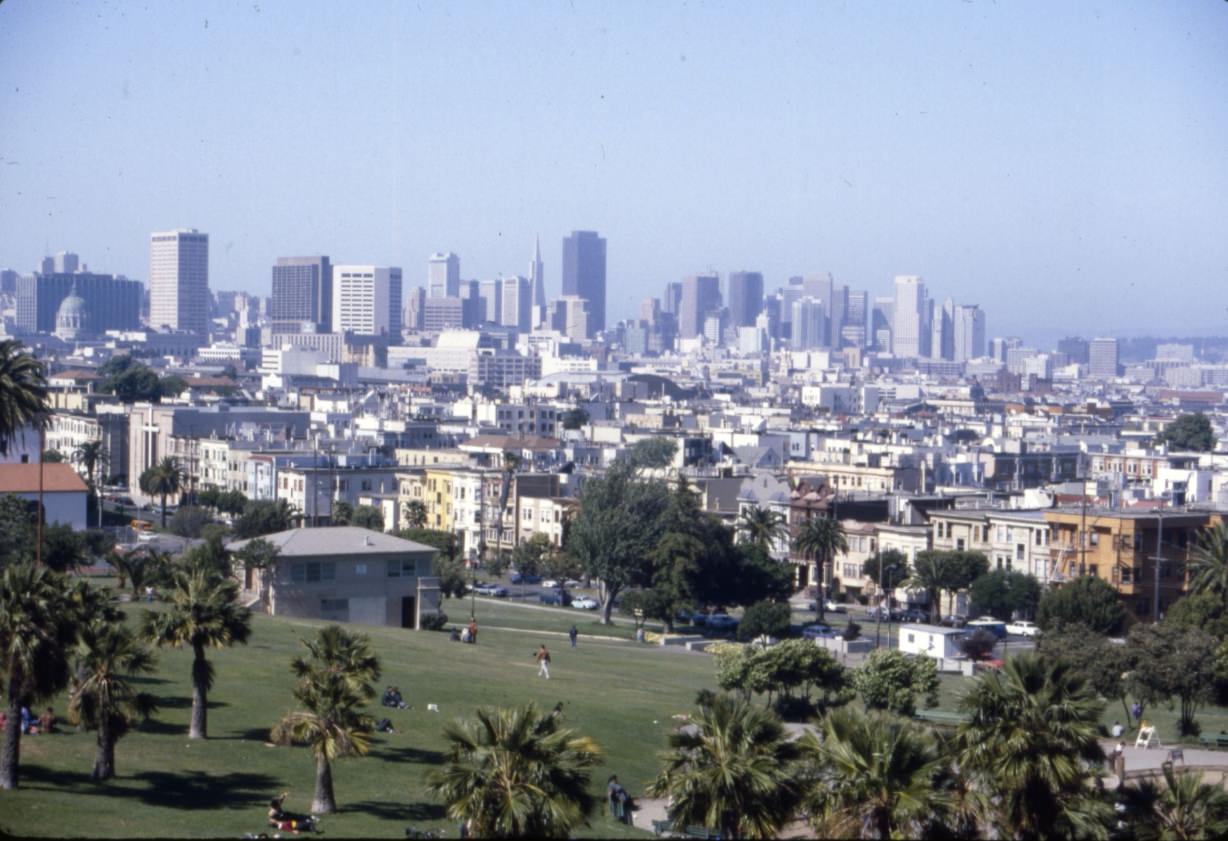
{"points": [[443, 276], [367, 300], [517, 303], [969, 329], [910, 327], [1102, 359], [179, 281]]}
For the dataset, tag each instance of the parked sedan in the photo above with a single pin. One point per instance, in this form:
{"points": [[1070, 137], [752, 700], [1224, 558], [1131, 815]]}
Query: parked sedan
{"points": [[914, 615], [722, 621], [572, 583], [483, 589], [1023, 629], [835, 607], [586, 603], [817, 630], [551, 584], [518, 578], [559, 597]]}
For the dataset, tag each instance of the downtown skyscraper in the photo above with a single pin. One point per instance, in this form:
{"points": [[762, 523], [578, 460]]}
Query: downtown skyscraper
{"points": [[179, 281], [745, 298], [302, 294], [584, 274]]}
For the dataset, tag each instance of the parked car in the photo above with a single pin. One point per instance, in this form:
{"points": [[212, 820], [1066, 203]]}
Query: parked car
{"points": [[484, 589], [722, 621], [1023, 629], [571, 583], [517, 578], [585, 603], [558, 597], [816, 630], [550, 584], [914, 615], [893, 614], [995, 626], [835, 607], [954, 620]]}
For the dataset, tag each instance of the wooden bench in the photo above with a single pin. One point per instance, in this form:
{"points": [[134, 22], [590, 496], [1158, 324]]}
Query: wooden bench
{"points": [[1217, 742]]}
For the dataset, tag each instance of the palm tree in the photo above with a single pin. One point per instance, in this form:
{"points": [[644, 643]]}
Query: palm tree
{"points": [[875, 776], [1208, 564], [929, 574], [1029, 744], [23, 392], [762, 526], [91, 456], [732, 770], [415, 514], [204, 613], [333, 684], [36, 633], [1183, 809], [103, 698], [163, 479], [821, 538], [515, 773]]}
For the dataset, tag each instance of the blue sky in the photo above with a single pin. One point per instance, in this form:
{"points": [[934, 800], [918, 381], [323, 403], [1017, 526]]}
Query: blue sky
{"points": [[1063, 164]]}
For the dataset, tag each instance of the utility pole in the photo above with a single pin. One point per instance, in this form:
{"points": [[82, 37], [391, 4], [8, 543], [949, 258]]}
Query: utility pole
{"points": [[878, 614], [1083, 523], [1159, 561]]}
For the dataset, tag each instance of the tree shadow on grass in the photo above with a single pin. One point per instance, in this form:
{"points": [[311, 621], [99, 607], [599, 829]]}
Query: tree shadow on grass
{"points": [[251, 734], [236, 790], [409, 754], [162, 728], [397, 811], [180, 702], [145, 680]]}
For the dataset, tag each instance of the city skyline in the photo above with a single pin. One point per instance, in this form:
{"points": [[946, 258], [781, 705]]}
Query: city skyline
{"points": [[1070, 152]]}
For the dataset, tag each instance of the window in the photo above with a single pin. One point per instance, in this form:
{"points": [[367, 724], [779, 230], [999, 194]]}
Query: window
{"points": [[311, 572], [402, 568]]}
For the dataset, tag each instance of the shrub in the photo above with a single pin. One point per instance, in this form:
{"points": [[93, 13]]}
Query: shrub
{"points": [[771, 618], [434, 621], [978, 644], [852, 632]]}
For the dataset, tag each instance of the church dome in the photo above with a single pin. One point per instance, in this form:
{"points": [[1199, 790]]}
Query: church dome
{"points": [[70, 318]]}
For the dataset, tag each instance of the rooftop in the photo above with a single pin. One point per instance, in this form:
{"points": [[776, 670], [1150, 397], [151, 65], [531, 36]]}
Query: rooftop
{"points": [[336, 540], [23, 478]]}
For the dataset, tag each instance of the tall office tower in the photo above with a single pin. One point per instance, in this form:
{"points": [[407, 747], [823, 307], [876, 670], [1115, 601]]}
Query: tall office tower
{"points": [[910, 329], [1102, 359], [415, 307], [882, 317], [472, 305], [772, 313], [788, 295], [569, 315], [443, 313], [856, 316], [1001, 345], [47, 266], [837, 311], [302, 292], [969, 329], [701, 294], [367, 300], [8, 281], [820, 285], [491, 293], [942, 329], [110, 303], [809, 324], [65, 262], [443, 276], [517, 303], [1074, 347], [179, 281], [745, 297], [650, 311], [716, 325], [537, 275], [672, 302], [584, 274]]}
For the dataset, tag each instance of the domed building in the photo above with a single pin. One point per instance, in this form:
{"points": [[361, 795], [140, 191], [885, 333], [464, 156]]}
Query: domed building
{"points": [[71, 319]]}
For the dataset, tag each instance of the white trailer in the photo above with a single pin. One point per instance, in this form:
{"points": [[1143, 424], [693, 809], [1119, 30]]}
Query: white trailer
{"points": [[927, 640]]}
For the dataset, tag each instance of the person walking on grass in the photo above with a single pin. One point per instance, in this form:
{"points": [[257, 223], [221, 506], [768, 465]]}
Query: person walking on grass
{"points": [[572, 634], [543, 662]]}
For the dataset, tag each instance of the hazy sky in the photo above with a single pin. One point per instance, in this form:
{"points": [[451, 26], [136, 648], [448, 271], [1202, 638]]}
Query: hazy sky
{"points": [[1064, 164]]}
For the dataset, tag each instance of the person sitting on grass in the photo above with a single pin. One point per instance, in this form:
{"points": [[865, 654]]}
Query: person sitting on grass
{"points": [[279, 818], [46, 721], [392, 698]]}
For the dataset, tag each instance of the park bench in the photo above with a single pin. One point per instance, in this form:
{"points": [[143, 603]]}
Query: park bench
{"points": [[1218, 741]]}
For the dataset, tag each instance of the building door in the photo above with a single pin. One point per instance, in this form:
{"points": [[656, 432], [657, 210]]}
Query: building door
{"points": [[409, 612], [803, 575]]}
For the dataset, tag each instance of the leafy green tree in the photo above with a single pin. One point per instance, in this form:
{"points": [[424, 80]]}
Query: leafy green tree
{"points": [[1184, 808], [516, 773], [211, 556], [936, 571], [893, 571], [164, 479], [53, 457], [368, 517], [765, 619], [104, 697], [36, 633], [528, 556], [874, 776], [172, 385], [334, 683], [653, 604], [64, 549], [1208, 562], [575, 418], [753, 576], [415, 514], [208, 497], [821, 538], [232, 502], [1172, 662], [17, 535], [130, 380], [1005, 593], [795, 669], [1189, 432], [1200, 610], [23, 393], [651, 453], [734, 770], [979, 644], [617, 528], [204, 613], [189, 520], [1100, 663], [892, 681], [343, 513], [264, 516], [1087, 602], [763, 526], [1031, 745], [257, 556]]}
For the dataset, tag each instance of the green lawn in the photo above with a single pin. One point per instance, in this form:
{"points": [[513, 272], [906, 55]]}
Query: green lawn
{"points": [[619, 693]]}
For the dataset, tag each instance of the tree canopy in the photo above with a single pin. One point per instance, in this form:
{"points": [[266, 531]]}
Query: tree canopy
{"points": [[1005, 593], [1189, 432], [1088, 602]]}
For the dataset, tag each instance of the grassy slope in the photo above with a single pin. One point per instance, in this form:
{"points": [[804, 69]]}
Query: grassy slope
{"points": [[619, 693]]}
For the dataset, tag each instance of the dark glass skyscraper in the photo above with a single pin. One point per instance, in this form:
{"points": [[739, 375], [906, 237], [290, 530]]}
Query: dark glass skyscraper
{"points": [[745, 298], [302, 291], [584, 273]]}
